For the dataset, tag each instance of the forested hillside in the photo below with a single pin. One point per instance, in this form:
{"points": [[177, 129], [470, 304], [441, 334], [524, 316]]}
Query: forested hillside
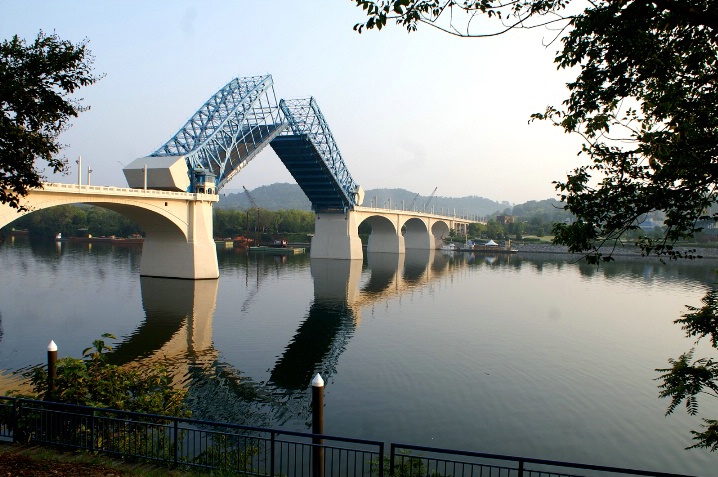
{"points": [[290, 196]]}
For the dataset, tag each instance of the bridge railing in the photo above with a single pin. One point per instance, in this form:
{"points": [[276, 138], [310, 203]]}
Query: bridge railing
{"points": [[247, 450], [412, 212], [111, 190]]}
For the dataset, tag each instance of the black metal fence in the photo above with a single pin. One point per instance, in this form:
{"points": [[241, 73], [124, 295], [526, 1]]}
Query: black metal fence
{"points": [[253, 451]]}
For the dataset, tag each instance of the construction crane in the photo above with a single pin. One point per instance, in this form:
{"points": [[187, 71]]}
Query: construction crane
{"points": [[256, 207], [431, 197], [411, 206]]}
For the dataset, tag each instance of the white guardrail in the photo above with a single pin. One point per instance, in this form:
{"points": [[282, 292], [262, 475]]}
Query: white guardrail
{"points": [[123, 191]]}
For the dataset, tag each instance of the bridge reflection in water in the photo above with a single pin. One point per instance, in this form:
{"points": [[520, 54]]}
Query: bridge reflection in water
{"points": [[177, 332]]}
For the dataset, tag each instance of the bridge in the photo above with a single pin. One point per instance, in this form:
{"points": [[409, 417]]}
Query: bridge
{"points": [[171, 191], [179, 241]]}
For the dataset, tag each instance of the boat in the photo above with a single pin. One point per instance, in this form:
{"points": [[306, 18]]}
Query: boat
{"points": [[241, 241], [279, 243], [450, 247], [90, 239], [133, 239], [278, 250]]}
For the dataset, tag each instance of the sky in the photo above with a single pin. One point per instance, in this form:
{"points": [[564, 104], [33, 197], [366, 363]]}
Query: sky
{"points": [[415, 111]]}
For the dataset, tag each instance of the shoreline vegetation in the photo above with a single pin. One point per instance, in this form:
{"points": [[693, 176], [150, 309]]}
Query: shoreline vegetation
{"points": [[625, 251]]}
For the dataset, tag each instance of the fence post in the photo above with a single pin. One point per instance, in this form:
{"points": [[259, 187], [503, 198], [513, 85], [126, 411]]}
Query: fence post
{"points": [[272, 450], [317, 426], [521, 468], [381, 460], [17, 408], [92, 431], [392, 453], [51, 370], [176, 442]]}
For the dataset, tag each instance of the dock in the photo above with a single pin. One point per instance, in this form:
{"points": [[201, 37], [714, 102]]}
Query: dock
{"points": [[278, 250]]}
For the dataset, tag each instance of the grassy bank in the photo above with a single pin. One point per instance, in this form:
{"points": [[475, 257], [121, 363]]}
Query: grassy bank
{"points": [[31, 461]]}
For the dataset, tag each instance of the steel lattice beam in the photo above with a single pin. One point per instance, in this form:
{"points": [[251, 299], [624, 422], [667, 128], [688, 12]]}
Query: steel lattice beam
{"points": [[305, 118], [229, 130], [238, 121]]}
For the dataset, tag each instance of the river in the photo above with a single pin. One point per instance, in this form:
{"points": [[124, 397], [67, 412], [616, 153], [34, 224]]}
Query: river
{"points": [[527, 355]]}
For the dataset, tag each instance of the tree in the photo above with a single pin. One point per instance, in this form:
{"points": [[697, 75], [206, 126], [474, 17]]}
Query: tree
{"points": [[687, 378], [645, 103], [494, 230], [36, 84]]}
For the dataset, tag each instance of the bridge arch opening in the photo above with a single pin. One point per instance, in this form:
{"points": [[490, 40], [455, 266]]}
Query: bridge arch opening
{"points": [[178, 226], [144, 218], [440, 230], [416, 234], [384, 236]]}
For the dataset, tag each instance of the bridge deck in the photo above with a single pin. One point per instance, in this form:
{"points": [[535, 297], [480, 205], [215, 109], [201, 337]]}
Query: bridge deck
{"points": [[305, 164]]}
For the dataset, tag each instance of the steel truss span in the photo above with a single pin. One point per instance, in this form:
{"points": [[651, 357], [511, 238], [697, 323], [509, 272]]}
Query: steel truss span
{"points": [[310, 153], [229, 130], [238, 121]]}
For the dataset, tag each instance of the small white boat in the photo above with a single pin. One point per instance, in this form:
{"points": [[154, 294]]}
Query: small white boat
{"points": [[449, 247]]}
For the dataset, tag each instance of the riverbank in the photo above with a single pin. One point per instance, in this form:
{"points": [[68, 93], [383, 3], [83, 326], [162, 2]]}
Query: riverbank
{"points": [[629, 251], [32, 461]]}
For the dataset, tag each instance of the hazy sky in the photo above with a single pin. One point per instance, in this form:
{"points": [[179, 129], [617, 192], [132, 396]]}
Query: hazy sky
{"points": [[414, 111]]}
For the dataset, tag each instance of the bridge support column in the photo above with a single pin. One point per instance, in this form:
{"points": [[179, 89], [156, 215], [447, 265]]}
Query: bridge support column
{"points": [[168, 253], [336, 236], [419, 240], [385, 241]]}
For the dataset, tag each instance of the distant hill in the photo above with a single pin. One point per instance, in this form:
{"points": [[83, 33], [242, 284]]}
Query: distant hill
{"points": [[549, 210], [290, 196], [272, 197]]}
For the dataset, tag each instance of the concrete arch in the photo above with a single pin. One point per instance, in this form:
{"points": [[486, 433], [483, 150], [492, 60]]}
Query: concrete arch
{"points": [[416, 234], [178, 225], [149, 218], [439, 230], [385, 235], [156, 215]]}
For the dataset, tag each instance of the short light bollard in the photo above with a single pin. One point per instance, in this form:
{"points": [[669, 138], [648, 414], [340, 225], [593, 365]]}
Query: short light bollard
{"points": [[51, 370], [317, 426]]}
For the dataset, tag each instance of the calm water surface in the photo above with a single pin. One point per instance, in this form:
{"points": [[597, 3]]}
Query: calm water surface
{"points": [[523, 355]]}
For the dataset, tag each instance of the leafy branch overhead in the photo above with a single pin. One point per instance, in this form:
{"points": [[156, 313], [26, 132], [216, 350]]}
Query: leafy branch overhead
{"points": [[36, 85], [460, 18]]}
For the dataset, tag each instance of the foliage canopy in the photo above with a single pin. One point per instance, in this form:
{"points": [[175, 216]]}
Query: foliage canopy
{"points": [[36, 84], [689, 378], [93, 382]]}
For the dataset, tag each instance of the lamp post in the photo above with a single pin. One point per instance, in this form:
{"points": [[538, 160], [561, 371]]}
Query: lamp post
{"points": [[317, 426], [51, 370], [79, 170]]}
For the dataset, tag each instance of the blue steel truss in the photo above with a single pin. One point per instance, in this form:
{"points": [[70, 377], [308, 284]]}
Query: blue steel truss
{"points": [[229, 130], [238, 121], [312, 156]]}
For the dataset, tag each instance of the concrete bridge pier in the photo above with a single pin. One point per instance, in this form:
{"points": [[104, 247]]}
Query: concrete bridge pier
{"points": [[336, 236], [168, 253]]}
